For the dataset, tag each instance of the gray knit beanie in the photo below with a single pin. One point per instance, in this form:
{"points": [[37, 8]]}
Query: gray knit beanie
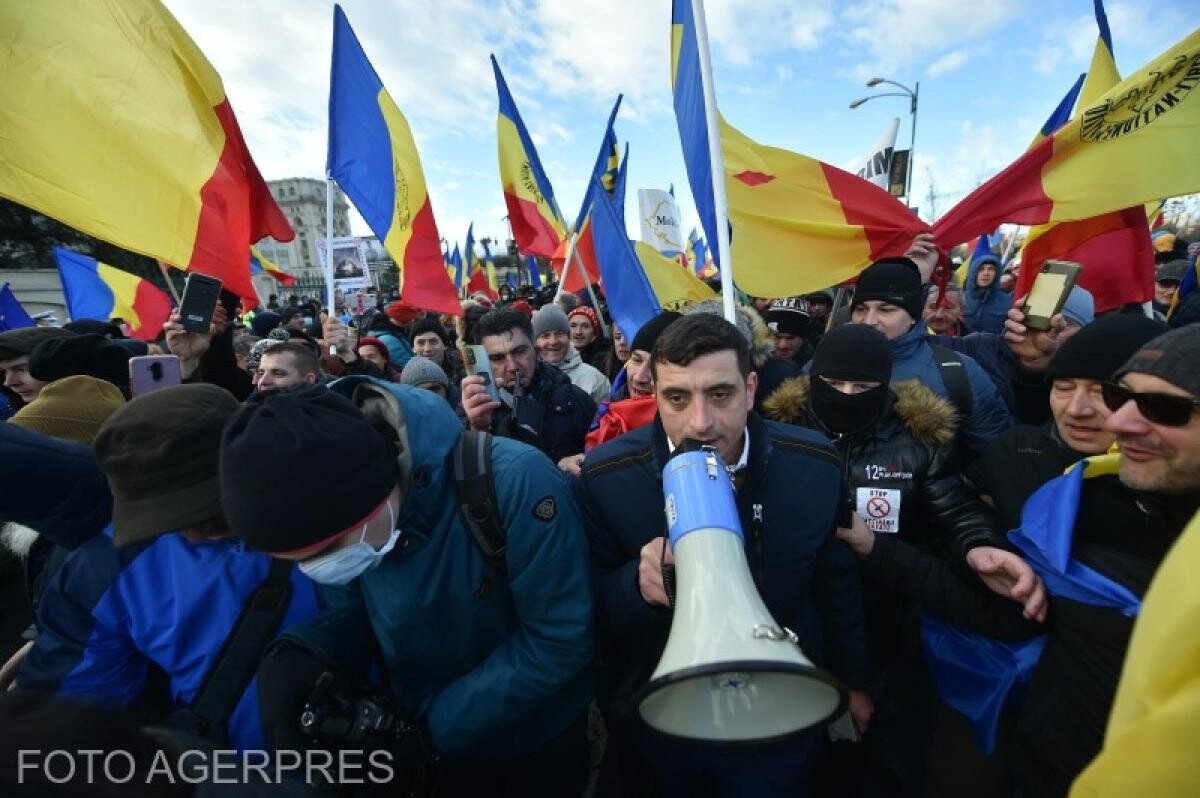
{"points": [[419, 371], [549, 318]]}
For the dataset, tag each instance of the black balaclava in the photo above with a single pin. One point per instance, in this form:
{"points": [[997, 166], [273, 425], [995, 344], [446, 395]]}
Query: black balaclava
{"points": [[850, 352]]}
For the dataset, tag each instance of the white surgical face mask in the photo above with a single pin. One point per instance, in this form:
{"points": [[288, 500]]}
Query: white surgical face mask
{"points": [[344, 565]]}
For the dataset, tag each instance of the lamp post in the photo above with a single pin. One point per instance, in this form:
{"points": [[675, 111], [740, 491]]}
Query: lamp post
{"points": [[912, 95]]}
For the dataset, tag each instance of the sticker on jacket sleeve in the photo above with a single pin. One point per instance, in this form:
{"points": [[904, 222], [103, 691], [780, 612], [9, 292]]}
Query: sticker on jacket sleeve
{"points": [[880, 508]]}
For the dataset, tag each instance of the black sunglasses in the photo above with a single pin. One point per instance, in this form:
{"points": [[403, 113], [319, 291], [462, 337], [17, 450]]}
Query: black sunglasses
{"points": [[1158, 408]]}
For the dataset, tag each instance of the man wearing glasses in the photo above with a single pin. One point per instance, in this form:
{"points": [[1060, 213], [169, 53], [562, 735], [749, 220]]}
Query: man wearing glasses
{"points": [[537, 403], [1096, 536]]}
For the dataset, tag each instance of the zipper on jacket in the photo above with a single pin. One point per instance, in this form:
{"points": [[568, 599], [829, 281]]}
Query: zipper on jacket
{"points": [[756, 544]]}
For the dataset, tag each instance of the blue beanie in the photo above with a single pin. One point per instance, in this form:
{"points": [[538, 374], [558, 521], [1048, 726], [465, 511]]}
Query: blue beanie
{"points": [[1079, 307]]}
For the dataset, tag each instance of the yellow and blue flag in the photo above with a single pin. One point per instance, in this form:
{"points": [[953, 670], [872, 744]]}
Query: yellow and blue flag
{"points": [[373, 157]]}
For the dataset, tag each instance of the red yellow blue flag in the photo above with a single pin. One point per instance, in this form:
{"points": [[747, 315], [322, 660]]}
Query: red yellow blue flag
{"points": [[259, 264], [373, 157], [537, 223], [116, 124], [827, 223], [95, 290]]}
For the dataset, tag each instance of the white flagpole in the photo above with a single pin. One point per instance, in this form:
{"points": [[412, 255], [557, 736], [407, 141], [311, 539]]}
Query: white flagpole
{"points": [[716, 163], [329, 251], [562, 278]]}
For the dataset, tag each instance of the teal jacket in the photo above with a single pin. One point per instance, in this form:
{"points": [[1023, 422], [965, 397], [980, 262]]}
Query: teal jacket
{"points": [[495, 671]]}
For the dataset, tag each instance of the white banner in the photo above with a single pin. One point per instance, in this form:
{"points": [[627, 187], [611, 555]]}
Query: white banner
{"points": [[876, 164], [349, 262], [660, 221]]}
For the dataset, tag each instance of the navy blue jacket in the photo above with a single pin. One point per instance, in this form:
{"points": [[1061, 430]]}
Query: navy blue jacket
{"points": [[985, 308], [555, 415], [913, 359], [808, 579]]}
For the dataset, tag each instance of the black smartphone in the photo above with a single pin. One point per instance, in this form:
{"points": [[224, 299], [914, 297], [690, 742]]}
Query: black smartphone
{"points": [[232, 302], [200, 295]]}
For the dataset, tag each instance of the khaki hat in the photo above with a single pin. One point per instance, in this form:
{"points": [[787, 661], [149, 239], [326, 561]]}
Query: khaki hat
{"points": [[73, 408], [160, 454]]}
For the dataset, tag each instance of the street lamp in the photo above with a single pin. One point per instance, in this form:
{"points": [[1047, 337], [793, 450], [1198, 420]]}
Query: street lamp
{"points": [[912, 94]]}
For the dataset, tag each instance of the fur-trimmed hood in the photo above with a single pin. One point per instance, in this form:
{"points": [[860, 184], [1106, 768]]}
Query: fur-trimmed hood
{"points": [[750, 324], [931, 419]]}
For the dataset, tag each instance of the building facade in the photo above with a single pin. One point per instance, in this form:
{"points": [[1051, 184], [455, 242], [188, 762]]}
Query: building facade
{"points": [[302, 200]]}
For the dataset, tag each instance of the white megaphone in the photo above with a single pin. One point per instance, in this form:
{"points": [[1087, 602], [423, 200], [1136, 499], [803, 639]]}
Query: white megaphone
{"points": [[729, 673]]}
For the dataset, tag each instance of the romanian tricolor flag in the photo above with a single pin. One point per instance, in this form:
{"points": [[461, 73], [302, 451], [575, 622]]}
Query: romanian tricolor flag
{"points": [[798, 224], [373, 158], [260, 265], [479, 283], [468, 253], [639, 282], [695, 245], [1134, 144], [115, 123], [456, 261], [96, 290], [604, 174], [1114, 248], [537, 224]]}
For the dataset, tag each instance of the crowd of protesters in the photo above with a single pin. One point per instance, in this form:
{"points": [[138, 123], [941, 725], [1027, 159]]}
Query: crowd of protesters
{"points": [[441, 539]]}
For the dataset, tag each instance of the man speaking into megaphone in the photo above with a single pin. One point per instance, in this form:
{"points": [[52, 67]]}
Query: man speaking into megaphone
{"points": [[790, 495]]}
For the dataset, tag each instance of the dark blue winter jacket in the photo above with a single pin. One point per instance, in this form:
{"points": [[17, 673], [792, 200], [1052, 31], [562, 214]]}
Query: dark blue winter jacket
{"points": [[790, 501], [913, 359], [985, 308]]}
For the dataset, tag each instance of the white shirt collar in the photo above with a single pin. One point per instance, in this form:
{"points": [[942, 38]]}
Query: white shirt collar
{"points": [[742, 462]]}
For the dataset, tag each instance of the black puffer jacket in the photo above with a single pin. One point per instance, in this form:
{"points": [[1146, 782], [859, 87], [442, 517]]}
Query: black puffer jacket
{"points": [[554, 415], [904, 473]]}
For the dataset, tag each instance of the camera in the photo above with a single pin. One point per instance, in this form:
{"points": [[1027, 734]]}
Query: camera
{"points": [[335, 719]]}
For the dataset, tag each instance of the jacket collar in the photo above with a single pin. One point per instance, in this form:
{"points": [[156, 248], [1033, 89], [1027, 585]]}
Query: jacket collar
{"points": [[756, 429], [904, 346]]}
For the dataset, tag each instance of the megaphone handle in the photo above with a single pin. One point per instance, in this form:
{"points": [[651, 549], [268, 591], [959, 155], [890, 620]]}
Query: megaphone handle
{"points": [[668, 575]]}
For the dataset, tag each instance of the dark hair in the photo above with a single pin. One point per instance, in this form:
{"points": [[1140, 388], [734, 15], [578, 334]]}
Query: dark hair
{"points": [[500, 321], [243, 345], [306, 361], [696, 335]]}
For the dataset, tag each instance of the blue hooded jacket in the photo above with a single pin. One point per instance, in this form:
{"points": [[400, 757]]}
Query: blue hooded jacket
{"points": [[496, 666], [985, 308], [108, 616], [913, 359]]}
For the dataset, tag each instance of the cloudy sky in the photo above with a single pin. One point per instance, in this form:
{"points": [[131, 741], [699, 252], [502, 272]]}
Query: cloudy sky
{"points": [[785, 73]]}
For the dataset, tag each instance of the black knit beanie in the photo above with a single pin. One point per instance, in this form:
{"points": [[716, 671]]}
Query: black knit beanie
{"points": [[896, 281], [340, 469], [427, 325], [853, 352], [789, 316], [648, 333], [90, 355], [1100, 348]]}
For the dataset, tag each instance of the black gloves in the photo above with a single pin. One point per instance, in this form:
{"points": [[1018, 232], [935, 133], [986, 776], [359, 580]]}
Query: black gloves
{"points": [[286, 678]]}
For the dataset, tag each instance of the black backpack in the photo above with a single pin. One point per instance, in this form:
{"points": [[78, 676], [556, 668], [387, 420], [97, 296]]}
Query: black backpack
{"points": [[954, 375], [478, 504]]}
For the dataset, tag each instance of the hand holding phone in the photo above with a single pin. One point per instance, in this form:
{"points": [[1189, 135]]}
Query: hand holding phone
{"points": [[1054, 282], [149, 373], [200, 295]]}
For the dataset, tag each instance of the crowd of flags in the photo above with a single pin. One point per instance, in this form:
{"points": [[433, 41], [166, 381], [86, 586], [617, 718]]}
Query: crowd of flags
{"points": [[190, 194]]}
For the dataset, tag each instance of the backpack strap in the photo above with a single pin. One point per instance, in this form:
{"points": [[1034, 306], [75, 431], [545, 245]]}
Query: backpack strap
{"points": [[954, 375], [238, 660], [477, 501]]}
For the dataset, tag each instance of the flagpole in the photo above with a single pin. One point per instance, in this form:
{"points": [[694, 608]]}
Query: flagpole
{"points": [[716, 163], [170, 285], [329, 251], [562, 278]]}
